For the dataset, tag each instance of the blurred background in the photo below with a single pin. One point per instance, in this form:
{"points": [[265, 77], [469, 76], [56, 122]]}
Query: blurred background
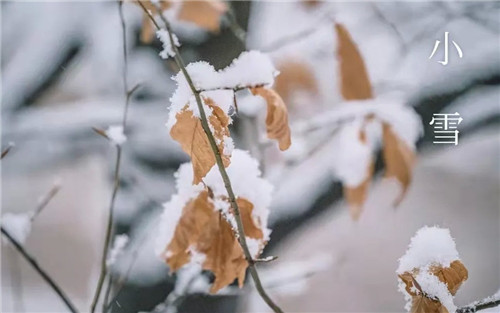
{"points": [[62, 65]]}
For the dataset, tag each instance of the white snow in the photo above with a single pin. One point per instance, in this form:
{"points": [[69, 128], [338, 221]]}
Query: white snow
{"points": [[168, 50], [251, 68], [354, 157], [434, 288], [429, 246], [247, 183], [18, 225], [116, 135], [118, 245]]}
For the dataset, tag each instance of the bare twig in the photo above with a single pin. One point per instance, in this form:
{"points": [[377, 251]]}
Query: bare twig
{"points": [[6, 150], [487, 303], [45, 200], [235, 28], [40, 271], [109, 228], [220, 165]]}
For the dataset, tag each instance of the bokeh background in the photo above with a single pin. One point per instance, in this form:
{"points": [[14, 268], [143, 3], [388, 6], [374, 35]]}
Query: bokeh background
{"points": [[62, 64]]}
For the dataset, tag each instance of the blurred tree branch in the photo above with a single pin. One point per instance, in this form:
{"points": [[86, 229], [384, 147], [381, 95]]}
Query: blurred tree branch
{"points": [[40, 271]]}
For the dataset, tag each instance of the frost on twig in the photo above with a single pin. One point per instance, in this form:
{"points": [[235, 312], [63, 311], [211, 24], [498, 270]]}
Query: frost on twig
{"points": [[167, 47], [115, 134], [430, 273]]}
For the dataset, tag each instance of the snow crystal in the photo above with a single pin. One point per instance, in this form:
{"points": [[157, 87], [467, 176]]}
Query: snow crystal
{"points": [[168, 50], [254, 246], [118, 245], [116, 135], [353, 159], [430, 245], [436, 289], [18, 225]]}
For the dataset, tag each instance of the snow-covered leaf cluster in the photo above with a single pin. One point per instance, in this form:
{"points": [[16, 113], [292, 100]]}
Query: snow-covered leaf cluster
{"points": [[198, 220], [430, 272]]}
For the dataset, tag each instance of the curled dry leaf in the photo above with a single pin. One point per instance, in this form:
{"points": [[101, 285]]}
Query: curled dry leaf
{"points": [[399, 159], [189, 132], [205, 13], [277, 116], [452, 276], [203, 230]]}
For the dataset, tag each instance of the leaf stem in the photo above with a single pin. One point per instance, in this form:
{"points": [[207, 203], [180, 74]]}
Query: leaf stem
{"points": [[220, 164]]}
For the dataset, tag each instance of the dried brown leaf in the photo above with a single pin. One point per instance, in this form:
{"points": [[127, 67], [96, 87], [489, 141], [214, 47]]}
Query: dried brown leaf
{"points": [[189, 132], [452, 276], [294, 76], [205, 230], [205, 13], [399, 160], [422, 304], [277, 117], [356, 196], [354, 80]]}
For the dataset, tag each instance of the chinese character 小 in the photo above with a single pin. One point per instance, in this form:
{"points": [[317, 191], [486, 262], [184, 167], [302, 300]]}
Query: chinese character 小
{"points": [[446, 41]]}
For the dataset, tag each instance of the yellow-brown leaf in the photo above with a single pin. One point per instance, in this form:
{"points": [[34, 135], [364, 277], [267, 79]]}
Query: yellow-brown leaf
{"points": [[277, 117], [354, 80], [356, 196], [189, 132], [205, 13], [422, 304], [294, 76], [205, 230], [399, 159], [196, 215]]}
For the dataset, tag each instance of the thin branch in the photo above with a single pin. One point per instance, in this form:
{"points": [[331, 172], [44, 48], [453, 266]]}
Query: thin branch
{"points": [[109, 227], [235, 28], [6, 150], [40, 271], [484, 304], [220, 165], [45, 200]]}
